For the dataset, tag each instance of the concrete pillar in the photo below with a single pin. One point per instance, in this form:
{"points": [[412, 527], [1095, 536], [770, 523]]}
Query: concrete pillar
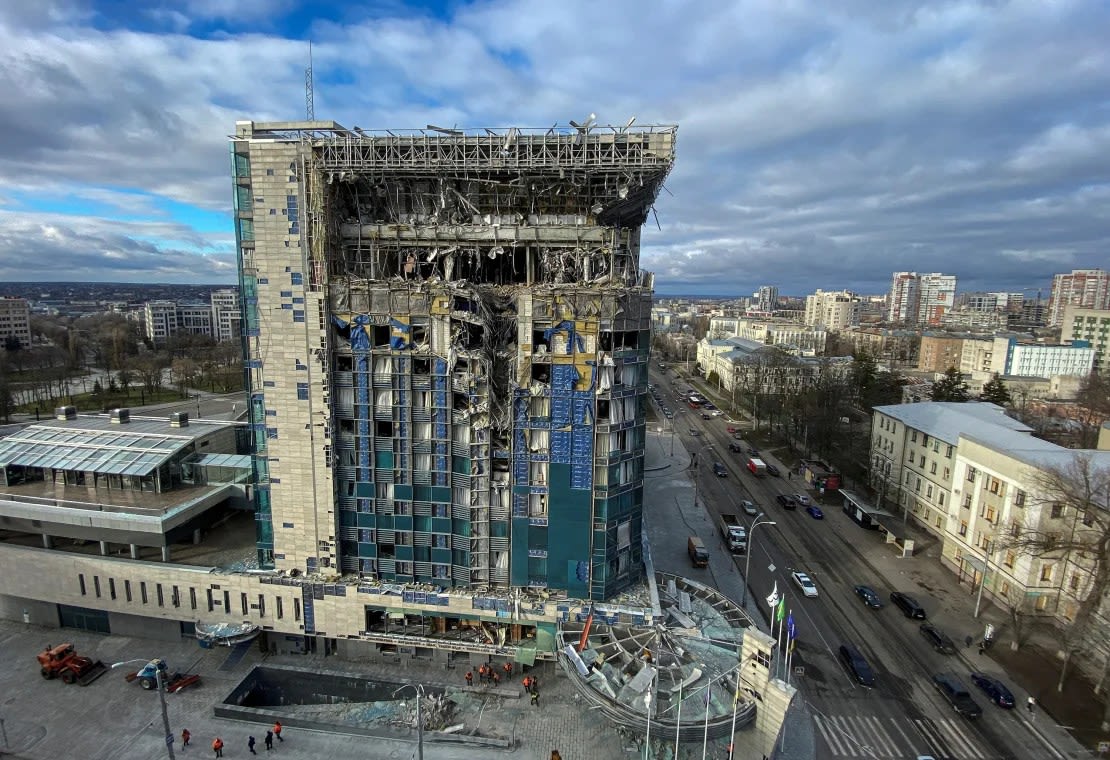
{"points": [[134, 551], [47, 542], [103, 548], [196, 537], [165, 553]]}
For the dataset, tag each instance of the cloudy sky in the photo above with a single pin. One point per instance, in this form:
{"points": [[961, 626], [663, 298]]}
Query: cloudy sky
{"points": [[817, 147]]}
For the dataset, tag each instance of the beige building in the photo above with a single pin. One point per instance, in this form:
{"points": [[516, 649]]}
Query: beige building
{"points": [[1082, 288], [973, 477], [791, 336], [1093, 326], [939, 352], [15, 320], [835, 310]]}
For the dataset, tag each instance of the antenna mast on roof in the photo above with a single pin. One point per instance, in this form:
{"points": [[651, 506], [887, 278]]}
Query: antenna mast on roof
{"points": [[309, 100]]}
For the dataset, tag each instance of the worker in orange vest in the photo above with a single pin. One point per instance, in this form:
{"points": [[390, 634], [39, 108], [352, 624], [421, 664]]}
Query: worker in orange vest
{"points": [[218, 746], [277, 730]]}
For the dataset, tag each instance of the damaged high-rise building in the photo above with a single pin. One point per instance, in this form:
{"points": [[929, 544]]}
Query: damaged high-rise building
{"points": [[447, 336]]}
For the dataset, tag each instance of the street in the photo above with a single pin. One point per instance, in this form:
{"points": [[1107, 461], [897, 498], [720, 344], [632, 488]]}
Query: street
{"points": [[904, 715]]}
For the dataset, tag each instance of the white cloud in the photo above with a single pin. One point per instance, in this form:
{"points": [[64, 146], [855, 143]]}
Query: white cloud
{"points": [[819, 145]]}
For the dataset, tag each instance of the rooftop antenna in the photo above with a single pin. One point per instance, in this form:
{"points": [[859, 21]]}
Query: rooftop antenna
{"points": [[309, 100]]}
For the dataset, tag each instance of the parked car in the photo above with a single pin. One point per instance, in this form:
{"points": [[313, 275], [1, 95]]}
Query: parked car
{"points": [[772, 470], [802, 499], [695, 432], [735, 447], [815, 512], [786, 501], [719, 470], [869, 597], [938, 639], [909, 606], [749, 508], [994, 689], [953, 689], [809, 588], [857, 665]]}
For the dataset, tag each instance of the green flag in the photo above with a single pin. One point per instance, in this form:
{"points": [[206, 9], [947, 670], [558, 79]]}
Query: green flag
{"points": [[780, 613]]}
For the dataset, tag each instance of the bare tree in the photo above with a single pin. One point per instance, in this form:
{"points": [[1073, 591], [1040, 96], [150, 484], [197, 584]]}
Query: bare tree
{"points": [[1074, 530]]}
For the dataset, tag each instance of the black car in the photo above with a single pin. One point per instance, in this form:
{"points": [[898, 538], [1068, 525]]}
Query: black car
{"points": [[909, 606], [953, 689], [994, 689], [753, 452], [787, 501], [938, 639], [772, 470], [706, 416], [857, 665], [869, 597], [719, 470], [735, 447]]}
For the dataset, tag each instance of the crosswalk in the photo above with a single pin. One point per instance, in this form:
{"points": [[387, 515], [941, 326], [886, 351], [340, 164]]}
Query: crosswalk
{"points": [[867, 736]]}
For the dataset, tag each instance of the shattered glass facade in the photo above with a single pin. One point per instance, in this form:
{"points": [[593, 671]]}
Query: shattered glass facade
{"points": [[450, 364]]}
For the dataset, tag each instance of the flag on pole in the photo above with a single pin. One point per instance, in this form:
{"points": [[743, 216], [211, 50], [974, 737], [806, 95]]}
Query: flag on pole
{"points": [[791, 631], [781, 611], [773, 599]]}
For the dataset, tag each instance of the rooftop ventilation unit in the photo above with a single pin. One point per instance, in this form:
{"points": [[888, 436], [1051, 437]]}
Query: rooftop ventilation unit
{"points": [[120, 416], [65, 413], [179, 419]]}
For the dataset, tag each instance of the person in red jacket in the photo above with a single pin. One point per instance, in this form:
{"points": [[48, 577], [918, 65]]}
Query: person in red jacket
{"points": [[218, 746], [277, 730]]}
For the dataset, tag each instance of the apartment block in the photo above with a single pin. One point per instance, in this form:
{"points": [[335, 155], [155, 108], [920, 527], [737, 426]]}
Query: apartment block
{"points": [[973, 477], [1091, 326], [766, 299], [448, 337], [939, 352], [921, 299], [1082, 288], [15, 321], [836, 310], [791, 336], [160, 320], [1013, 357], [226, 315]]}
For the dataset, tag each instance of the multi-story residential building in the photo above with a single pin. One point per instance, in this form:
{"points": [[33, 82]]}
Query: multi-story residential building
{"points": [[449, 392], [976, 478], [1093, 327], [15, 321], [836, 310], [893, 345], [913, 450], [766, 299], [977, 356], [159, 320], [739, 365], [921, 299], [939, 352], [226, 315], [194, 319], [1084, 288], [964, 318]]}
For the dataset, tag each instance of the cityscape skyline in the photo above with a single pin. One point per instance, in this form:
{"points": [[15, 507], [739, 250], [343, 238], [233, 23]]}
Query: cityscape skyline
{"points": [[820, 148]]}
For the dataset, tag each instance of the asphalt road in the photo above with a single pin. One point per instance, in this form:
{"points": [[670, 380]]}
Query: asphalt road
{"points": [[903, 715]]}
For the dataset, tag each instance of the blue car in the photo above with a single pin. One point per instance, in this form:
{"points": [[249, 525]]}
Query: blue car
{"points": [[994, 689], [815, 512]]}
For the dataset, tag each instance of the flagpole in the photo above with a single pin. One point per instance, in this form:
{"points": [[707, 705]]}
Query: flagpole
{"points": [[705, 736], [678, 722], [782, 651], [732, 730]]}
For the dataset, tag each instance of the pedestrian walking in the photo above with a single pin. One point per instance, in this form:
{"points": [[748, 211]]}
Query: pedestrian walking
{"points": [[496, 678], [527, 681], [218, 746], [508, 668], [469, 678], [982, 647], [967, 642], [185, 737], [250, 745], [535, 698], [277, 730], [269, 740], [1029, 703]]}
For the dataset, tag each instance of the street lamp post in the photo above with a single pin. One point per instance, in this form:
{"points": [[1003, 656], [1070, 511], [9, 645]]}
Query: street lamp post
{"points": [[748, 558], [419, 717], [162, 702]]}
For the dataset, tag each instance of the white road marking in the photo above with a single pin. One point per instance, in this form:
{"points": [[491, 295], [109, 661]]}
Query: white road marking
{"points": [[958, 739], [828, 734], [882, 739]]}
